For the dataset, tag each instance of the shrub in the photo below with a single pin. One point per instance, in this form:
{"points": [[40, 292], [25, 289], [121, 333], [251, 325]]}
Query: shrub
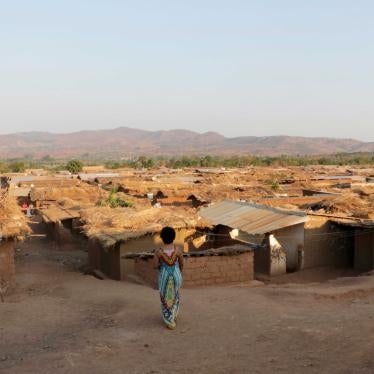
{"points": [[114, 201], [74, 166]]}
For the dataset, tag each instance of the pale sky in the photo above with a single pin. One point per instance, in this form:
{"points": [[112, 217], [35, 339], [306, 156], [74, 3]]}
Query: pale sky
{"points": [[260, 67]]}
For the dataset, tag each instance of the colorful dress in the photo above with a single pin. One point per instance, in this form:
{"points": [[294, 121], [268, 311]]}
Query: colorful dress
{"points": [[169, 283]]}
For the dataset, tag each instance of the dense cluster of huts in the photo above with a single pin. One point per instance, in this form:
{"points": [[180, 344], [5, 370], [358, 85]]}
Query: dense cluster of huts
{"points": [[13, 227], [233, 225]]}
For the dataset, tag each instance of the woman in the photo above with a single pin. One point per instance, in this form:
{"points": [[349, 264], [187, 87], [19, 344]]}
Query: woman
{"points": [[169, 261]]}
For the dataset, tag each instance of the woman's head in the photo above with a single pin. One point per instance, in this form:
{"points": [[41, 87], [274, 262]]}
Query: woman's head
{"points": [[167, 235]]}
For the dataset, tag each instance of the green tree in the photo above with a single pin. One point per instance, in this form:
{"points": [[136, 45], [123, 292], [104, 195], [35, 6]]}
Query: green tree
{"points": [[74, 166], [17, 167]]}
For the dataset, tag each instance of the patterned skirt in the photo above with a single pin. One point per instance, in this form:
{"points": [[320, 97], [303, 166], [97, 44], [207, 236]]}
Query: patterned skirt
{"points": [[169, 283]]}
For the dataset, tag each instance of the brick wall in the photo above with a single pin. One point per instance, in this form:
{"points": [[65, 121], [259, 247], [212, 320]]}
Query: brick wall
{"points": [[7, 270], [105, 260], [58, 233], [144, 269], [205, 270], [324, 246], [364, 250]]}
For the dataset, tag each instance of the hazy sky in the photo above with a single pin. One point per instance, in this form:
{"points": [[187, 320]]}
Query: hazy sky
{"points": [[250, 67]]}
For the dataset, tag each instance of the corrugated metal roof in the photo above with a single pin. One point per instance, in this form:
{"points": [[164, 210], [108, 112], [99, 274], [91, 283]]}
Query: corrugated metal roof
{"points": [[252, 218], [332, 177], [20, 179], [87, 176]]}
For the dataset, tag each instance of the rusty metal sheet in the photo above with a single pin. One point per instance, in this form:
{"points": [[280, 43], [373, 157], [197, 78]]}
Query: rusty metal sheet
{"points": [[252, 218]]}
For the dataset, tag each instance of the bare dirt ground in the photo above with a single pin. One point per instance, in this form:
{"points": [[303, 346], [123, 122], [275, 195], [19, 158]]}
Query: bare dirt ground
{"points": [[61, 321]]}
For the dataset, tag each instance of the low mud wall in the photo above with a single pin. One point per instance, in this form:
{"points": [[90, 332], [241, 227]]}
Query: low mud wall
{"points": [[204, 270], [105, 260]]}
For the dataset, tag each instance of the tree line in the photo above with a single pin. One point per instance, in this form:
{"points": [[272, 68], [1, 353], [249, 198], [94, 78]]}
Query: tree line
{"points": [[243, 161], [20, 166], [75, 166]]}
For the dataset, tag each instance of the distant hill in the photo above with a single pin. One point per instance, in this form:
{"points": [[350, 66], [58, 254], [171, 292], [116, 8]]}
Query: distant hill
{"points": [[124, 142]]}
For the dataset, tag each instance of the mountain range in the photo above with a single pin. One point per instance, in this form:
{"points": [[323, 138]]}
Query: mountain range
{"points": [[126, 142]]}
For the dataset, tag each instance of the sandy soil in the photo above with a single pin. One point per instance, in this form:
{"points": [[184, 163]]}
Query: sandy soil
{"points": [[61, 321]]}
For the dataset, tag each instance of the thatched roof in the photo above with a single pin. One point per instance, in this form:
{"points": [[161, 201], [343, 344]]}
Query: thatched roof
{"points": [[83, 192], [210, 189], [120, 224], [56, 213], [13, 223], [349, 204]]}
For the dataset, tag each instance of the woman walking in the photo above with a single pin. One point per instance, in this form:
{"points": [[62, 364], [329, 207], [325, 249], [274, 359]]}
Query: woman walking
{"points": [[169, 261]]}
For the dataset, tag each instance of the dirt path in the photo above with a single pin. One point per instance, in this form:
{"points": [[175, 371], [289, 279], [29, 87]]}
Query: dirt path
{"points": [[60, 321]]}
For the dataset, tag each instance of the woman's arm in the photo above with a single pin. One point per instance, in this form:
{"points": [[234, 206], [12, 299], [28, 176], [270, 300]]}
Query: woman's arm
{"points": [[181, 259], [156, 259]]}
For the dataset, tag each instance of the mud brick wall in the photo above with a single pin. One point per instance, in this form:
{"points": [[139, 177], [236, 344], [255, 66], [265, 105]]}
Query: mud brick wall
{"points": [[324, 247], [144, 269], [105, 260], [7, 269], [210, 270], [205, 270], [58, 233]]}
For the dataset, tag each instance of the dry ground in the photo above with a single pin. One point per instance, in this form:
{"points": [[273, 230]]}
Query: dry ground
{"points": [[61, 321]]}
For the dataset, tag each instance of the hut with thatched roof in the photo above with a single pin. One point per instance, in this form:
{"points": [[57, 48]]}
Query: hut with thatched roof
{"points": [[13, 227], [83, 193], [61, 224], [115, 232]]}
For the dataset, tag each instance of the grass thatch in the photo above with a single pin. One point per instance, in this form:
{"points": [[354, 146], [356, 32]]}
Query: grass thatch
{"points": [[350, 204], [84, 193], [13, 223], [211, 189], [100, 221], [365, 191]]}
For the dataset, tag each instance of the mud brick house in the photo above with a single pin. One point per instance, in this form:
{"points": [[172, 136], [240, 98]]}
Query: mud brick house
{"points": [[361, 235], [106, 252], [113, 233], [76, 193], [226, 265], [326, 244], [280, 232], [61, 224], [13, 227], [338, 241]]}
